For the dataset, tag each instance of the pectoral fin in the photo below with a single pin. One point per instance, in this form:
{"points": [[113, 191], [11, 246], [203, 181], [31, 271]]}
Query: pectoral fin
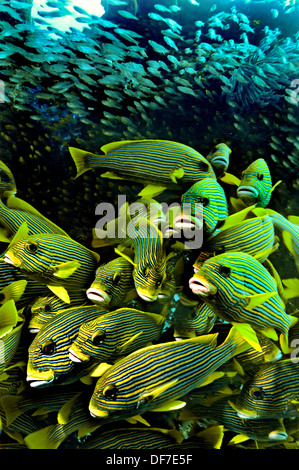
{"points": [[65, 270], [8, 317], [111, 176], [248, 334], [169, 406], [175, 174], [61, 292], [151, 190], [150, 396], [213, 376], [230, 179], [257, 300]]}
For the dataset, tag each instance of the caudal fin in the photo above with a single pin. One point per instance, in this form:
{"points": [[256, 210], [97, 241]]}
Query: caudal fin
{"points": [[79, 157]]}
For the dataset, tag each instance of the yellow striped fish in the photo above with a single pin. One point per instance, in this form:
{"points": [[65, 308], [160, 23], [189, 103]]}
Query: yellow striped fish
{"points": [[238, 288], [55, 260], [262, 430], [48, 356], [113, 284], [189, 321], [115, 334], [253, 235], [156, 376], [150, 259], [14, 285], [11, 323], [148, 160], [203, 206], [273, 392], [255, 186], [15, 211], [290, 232], [219, 158], [7, 182], [45, 308]]}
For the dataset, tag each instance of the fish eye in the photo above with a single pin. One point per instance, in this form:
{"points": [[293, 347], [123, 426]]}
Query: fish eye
{"points": [[4, 177], [98, 337], [224, 270], [110, 392], [204, 201], [116, 278], [257, 393], [203, 166], [32, 247], [260, 176], [48, 308], [48, 348]]}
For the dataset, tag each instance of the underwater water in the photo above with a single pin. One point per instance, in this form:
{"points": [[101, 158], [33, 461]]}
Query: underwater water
{"points": [[183, 76]]}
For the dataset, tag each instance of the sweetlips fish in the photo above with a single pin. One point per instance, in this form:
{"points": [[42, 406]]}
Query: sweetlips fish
{"points": [[247, 232], [113, 284], [53, 260], [115, 334], [14, 285], [261, 430], [272, 392], [241, 291], [7, 182], [255, 186], [11, 322], [15, 211], [192, 320], [45, 308], [150, 258], [290, 232], [160, 374], [48, 356], [219, 158], [154, 438], [203, 206], [156, 161]]}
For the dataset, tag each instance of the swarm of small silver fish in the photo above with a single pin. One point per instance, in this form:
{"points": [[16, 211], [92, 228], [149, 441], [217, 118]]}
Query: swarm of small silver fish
{"points": [[177, 313]]}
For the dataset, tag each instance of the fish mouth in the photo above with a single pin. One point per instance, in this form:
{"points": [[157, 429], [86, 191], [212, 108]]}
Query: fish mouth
{"points": [[96, 413], [74, 356], [37, 383], [182, 221], [33, 329], [278, 436], [200, 286], [38, 378], [243, 413], [98, 296], [147, 297], [247, 191], [220, 162], [9, 259]]}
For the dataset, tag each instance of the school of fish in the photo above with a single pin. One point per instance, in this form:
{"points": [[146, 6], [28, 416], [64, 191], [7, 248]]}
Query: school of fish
{"points": [[171, 319]]}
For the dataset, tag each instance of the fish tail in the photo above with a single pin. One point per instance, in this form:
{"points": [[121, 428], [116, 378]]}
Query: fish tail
{"points": [[40, 439], [79, 157]]}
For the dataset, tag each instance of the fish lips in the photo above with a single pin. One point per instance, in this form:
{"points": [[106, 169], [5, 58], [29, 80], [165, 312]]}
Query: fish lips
{"points": [[200, 286], [98, 296], [145, 296], [97, 413], [187, 222], [11, 259], [76, 355], [248, 192], [40, 379]]}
